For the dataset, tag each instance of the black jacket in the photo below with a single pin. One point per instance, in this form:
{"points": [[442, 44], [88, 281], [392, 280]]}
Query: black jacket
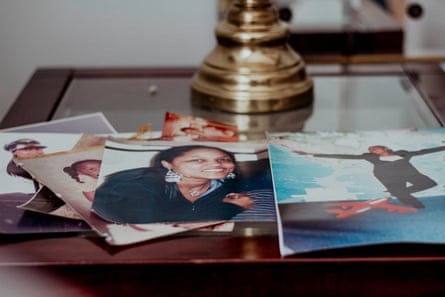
{"points": [[141, 195]]}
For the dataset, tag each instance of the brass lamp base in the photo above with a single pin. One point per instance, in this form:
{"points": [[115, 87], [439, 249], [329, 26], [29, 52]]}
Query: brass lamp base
{"points": [[252, 68]]}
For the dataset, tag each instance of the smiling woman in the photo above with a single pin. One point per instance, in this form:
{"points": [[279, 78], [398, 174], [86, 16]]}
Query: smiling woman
{"points": [[184, 183]]}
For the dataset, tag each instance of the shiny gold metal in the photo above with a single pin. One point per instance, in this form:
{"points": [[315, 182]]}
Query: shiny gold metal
{"points": [[252, 68]]}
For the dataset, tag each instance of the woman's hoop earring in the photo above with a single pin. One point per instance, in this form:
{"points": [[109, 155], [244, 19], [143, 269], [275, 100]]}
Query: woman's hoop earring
{"points": [[172, 177], [231, 175]]}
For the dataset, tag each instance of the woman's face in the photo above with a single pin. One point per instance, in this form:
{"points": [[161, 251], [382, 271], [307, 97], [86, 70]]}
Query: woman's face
{"points": [[89, 168], [28, 152], [202, 163]]}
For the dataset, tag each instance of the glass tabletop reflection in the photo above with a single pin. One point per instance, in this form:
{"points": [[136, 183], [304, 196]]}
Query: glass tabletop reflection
{"points": [[341, 103]]}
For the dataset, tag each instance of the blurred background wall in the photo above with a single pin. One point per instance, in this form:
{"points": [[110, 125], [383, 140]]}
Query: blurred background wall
{"points": [[100, 33], [76, 33]]}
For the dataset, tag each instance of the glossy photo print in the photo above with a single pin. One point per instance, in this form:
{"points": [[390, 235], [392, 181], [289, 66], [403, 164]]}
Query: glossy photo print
{"points": [[18, 186], [184, 182], [179, 127], [47, 202], [25, 205], [350, 189], [72, 176]]}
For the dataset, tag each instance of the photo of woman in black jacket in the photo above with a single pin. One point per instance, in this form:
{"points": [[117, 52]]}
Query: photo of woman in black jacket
{"points": [[183, 184]]}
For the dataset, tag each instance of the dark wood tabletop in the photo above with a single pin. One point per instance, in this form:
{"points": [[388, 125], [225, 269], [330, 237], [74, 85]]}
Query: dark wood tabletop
{"points": [[82, 264]]}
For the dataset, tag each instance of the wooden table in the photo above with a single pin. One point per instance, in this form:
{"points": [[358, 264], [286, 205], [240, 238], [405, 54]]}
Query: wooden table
{"points": [[213, 265]]}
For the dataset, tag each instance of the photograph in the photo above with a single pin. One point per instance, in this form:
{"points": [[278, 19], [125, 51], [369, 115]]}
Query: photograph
{"points": [[92, 123], [23, 202], [44, 201], [184, 182], [19, 186], [188, 128], [71, 176], [342, 189]]}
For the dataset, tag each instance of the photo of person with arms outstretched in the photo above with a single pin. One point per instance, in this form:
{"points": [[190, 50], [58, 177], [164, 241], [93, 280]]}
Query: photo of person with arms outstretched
{"points": [[394, 170], [183, 183]]}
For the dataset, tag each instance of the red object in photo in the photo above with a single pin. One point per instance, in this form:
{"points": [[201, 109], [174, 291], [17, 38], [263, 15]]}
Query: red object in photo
{"points": [[187, 128]]}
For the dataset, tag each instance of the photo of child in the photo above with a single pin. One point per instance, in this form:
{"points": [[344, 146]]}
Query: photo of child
{"points": [[85, 172]]}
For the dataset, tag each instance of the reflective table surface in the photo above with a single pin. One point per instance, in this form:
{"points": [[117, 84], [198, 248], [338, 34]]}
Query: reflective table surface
{"points": [[347, 97], [341, 102]]}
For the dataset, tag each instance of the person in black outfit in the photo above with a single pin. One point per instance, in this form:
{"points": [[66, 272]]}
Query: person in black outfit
{"points": [[394, 170], [23, 148], [184, 183]]}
